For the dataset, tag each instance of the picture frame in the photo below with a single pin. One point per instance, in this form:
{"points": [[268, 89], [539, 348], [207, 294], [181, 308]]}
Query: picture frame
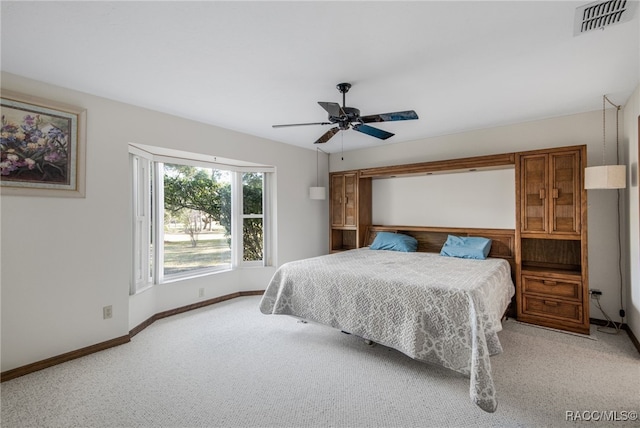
{"points": [[42, 147]]}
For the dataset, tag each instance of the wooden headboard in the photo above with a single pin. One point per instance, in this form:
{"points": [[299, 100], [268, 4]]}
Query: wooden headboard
{"points": [[431, 239]]}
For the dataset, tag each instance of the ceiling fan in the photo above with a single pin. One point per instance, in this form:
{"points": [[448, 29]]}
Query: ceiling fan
{"points": [[349, 117]]}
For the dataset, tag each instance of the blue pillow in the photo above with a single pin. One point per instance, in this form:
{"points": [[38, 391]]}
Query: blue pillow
{"points": [[466, 247], [394, 242]]}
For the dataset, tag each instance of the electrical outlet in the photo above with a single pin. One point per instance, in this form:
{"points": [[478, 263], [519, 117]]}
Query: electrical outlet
{"points": [[201, 292], [107, 312], [595, 293]]}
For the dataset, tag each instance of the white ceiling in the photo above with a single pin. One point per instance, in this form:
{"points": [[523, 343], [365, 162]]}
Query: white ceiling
{"points": [[248, 65]]}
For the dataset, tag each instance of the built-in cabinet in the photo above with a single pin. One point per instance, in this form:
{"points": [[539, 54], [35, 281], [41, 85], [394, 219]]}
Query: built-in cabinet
{"points": [[550, 193], [350, 208], [551, 270], [552, 282]]}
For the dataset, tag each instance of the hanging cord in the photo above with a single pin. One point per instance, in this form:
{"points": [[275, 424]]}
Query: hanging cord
{"points": [[610, 322], [318, 150], [604, 129], [317, 166], [619, 231]]}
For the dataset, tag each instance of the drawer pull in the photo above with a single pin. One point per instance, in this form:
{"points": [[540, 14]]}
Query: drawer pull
{"points": [[547, 282], [548, 303], [542, 194], [554, 193]]}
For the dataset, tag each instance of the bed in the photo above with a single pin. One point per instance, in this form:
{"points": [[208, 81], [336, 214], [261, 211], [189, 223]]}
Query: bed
{"points": [[435, 309]]}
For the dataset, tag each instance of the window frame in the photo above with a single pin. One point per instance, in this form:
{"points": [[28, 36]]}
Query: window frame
{"points": [[162, 277], [242, 216], [150, 228], [141, 272]]}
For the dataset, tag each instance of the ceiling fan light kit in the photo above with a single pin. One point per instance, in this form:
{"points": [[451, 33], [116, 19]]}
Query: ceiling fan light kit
{"points": [[349, 118]]}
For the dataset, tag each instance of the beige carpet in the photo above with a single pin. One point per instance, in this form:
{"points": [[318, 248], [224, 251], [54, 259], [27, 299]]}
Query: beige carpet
{"points": [[228, 365]]}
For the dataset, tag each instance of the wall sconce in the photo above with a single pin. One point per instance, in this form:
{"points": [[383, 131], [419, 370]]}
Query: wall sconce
{"points": [[317, 192], [606, 176]]}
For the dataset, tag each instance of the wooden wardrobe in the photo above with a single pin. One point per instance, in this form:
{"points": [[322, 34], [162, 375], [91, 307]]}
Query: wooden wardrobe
{"points": [[551, 230], [551, 269]]}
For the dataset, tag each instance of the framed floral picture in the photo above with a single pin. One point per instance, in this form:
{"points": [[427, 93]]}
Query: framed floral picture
{"points": [[42, 147]]}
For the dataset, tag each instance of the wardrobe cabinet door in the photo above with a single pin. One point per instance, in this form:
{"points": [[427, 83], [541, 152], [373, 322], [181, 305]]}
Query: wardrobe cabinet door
{"points": [[533, 196], [337, 198], [565, 193], [350, 199]]}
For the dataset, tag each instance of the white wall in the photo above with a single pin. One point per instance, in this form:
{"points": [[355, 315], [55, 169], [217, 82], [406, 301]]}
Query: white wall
{"points": [[630, 233], [64, 259], [483, 199], [585, 128]]}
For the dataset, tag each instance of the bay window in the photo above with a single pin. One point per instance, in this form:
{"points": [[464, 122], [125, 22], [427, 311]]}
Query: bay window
{"points": [[193, 216]]}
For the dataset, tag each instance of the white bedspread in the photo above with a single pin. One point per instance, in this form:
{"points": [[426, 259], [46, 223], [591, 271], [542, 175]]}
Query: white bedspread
{"points": [[435, 309]]}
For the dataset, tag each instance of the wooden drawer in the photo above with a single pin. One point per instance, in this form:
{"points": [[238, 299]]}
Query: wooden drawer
{"points": [[552, 308], [547, 287]]}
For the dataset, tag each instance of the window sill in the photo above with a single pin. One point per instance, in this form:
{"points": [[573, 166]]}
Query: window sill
{"points": [[186, 276]]}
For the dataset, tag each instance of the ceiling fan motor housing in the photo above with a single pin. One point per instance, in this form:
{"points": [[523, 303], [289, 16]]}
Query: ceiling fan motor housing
{"points": [[351, 114]]}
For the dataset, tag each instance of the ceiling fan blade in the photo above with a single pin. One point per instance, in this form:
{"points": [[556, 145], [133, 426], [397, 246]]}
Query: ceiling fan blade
{"points": [[374, 132], [390, 117], [333, 109], [327, 135], [300, 124]]}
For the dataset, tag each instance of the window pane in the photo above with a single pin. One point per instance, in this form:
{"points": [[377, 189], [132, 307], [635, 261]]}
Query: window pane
{"points": [[197, 219], [252, 237], [252, 192], [189, 244]]}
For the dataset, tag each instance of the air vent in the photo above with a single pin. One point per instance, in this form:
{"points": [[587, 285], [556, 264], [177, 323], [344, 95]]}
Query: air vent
{"points": [[601, 14]]}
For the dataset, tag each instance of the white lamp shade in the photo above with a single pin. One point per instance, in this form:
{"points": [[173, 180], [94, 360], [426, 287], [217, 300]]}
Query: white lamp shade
{"points": [[605, 177], [317, 193]]}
